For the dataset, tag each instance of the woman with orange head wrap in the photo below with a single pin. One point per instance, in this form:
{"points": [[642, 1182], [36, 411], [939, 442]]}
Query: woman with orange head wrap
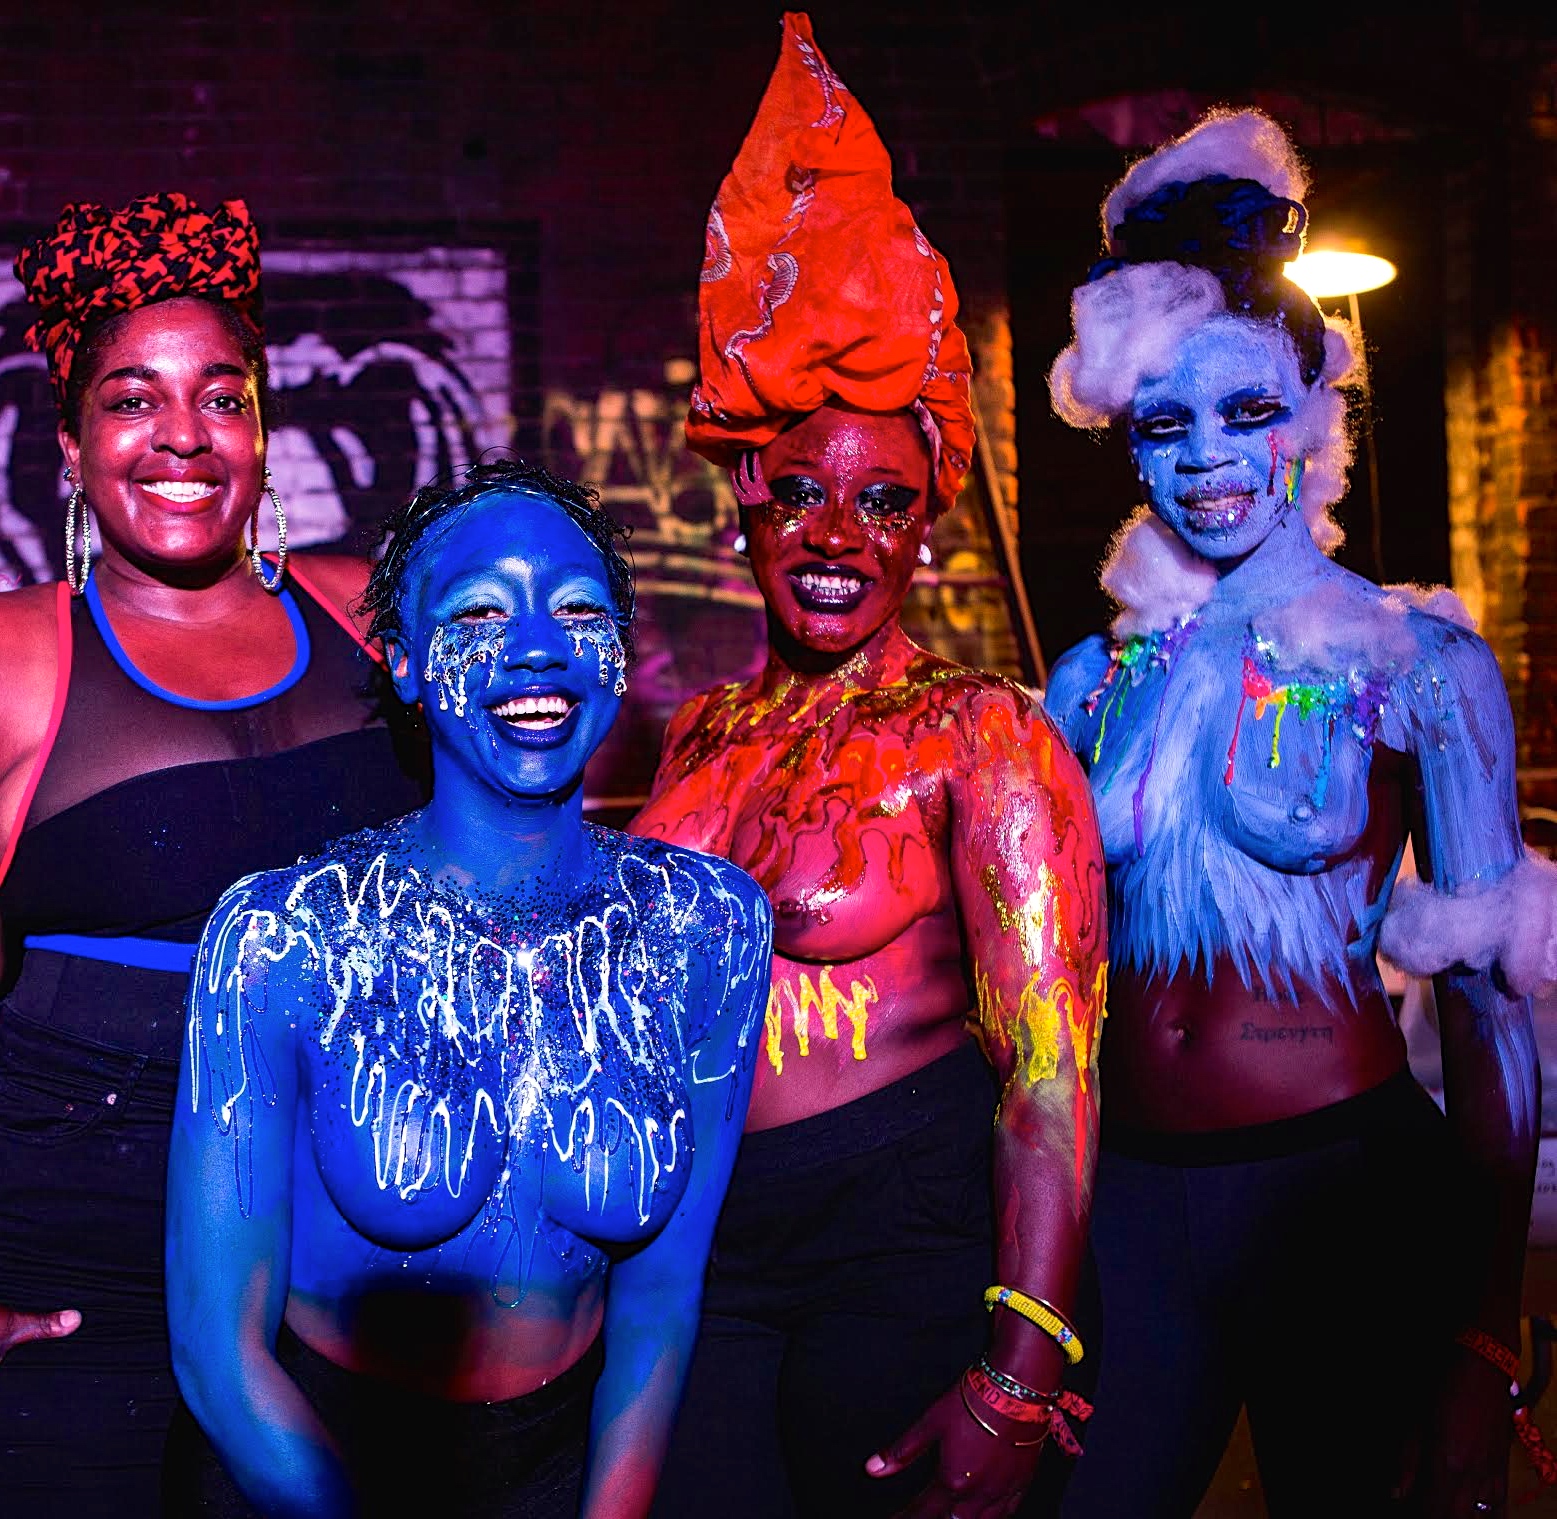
{"points": [[928, 845]]}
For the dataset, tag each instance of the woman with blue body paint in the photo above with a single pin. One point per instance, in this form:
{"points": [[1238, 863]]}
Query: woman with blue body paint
{"points": [[461, 1094], [1283, 1221]]}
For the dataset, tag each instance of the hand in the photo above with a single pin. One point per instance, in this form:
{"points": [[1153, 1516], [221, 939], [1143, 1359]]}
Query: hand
{"points": [[18, 1328], [1464, 1460], [978, 1476]]}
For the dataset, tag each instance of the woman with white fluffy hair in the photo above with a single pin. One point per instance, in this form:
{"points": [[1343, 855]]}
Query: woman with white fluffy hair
{"points": [[1283, 1220]]}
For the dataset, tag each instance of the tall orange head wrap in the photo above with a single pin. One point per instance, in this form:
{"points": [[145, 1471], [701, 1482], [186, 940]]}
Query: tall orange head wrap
{"points": [[818, 286]]}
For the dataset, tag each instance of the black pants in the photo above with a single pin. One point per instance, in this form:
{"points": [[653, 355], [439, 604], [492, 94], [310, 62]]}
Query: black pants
{"points": [[1304, 1269], [844, 1296], [411, 1455], [83, 1163]]}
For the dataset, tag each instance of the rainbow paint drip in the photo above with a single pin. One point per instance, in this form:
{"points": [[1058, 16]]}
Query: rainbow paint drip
{"points": [[1130, 662], [1359, 698]]}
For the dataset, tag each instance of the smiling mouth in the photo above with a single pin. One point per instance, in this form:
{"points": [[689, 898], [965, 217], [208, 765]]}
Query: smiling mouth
{"points": [[535, 714], [180, 492], [829, 588], [1219, 511]]}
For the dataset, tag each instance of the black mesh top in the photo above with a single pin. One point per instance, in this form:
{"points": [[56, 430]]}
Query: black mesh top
{"points": [[150, 806]]}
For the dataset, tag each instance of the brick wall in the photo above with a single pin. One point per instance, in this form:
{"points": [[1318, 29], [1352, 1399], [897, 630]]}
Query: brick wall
{"points": [[1501, 399], [483, 225], [576, 147]]}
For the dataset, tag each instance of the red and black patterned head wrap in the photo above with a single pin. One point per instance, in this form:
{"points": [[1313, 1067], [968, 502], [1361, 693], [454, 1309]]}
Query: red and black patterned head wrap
{"points": [[98, 262]]}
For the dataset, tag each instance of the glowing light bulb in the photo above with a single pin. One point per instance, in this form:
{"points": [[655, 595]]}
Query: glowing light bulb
{"points": [[1328, 272]]}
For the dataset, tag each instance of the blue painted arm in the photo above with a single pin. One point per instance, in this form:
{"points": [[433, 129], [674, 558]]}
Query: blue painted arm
{"points": [[229, 1218], [653, 1297], [1462, 735]]}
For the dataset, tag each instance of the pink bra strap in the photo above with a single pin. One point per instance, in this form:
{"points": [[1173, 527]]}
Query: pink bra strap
{"points": [[56, 717], [327, 606]]}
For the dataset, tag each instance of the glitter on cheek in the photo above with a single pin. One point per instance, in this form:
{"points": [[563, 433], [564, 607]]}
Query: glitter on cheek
{"points": [[454, 650], [600, 633]]}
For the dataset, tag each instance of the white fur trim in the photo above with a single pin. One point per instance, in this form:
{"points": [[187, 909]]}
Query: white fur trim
{"points": [[1128, 326], [1156, 579], [1244, 144], [1438, 600], [1512, 924]]}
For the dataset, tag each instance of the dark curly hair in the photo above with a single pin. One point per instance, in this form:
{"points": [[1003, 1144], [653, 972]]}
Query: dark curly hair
{"points": [[408, 525]]}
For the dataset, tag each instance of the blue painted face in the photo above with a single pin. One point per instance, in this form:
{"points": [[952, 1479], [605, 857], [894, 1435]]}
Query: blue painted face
{"points": [[1210, 437], [509, 643]]}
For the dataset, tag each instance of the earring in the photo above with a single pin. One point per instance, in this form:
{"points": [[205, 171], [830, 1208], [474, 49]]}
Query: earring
{"points": [[77, 503], [256, 562], [925, 556], [1294, 479], [740, 543]]}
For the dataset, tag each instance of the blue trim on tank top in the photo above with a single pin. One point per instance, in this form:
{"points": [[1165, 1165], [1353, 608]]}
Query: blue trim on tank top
{"points": [[237, 703], [144, 954]]}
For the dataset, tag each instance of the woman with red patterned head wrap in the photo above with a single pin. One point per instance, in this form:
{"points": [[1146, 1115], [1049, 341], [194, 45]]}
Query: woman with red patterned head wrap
{"points": [[928, 844], [176, 712]]}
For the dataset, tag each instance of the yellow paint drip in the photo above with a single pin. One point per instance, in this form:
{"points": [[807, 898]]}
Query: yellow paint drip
{"points": [[1278, 700], [1034, 1030], [1086, 1031], [822, 997], [1030, 919]]}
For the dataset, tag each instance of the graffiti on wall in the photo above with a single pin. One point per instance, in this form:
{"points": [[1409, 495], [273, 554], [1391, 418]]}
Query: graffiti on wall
{"points": [[389, 369]]}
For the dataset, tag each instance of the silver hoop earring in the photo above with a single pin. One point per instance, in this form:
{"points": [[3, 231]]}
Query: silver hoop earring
{"points": [[925, 556], [77, 503], [256, 560], [740, 543]]}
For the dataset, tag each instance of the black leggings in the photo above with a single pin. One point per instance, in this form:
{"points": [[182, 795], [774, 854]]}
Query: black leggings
{"points": [[1302, 1269], [412, 1455], [844, 1296]]}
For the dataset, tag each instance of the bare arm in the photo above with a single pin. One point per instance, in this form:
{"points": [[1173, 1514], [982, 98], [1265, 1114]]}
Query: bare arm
{"points": [[1028, 873]]}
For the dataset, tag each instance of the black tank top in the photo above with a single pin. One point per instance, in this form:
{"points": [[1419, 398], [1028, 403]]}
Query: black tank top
{"points": [[151, 804]]}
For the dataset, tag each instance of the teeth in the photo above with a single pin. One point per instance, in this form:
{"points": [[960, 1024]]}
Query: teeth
{"points": [[552, 707], [179, 490], [832, 586]]}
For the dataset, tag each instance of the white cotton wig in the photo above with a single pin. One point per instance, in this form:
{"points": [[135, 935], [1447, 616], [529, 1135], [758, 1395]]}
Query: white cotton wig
{"points": [[1128, 323]]}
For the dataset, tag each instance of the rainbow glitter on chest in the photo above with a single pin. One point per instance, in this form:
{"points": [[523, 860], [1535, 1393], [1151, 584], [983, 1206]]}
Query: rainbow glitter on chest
{"points": [[1354, 701], [472, 1070], [1261, 856]]}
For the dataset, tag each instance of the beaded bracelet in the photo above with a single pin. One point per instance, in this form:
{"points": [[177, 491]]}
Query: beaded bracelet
{"points": [[1494, 1351], [1008, 1383], [1041, 1315]]}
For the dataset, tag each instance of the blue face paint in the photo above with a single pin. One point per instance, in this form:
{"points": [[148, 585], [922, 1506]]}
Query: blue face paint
{"points": [[512, 647], [1207, 437]]}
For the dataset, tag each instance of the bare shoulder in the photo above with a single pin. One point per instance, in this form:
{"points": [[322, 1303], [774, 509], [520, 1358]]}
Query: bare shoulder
{"points": [[29, 637], [689, 719], [342, 578], [965, 693]]}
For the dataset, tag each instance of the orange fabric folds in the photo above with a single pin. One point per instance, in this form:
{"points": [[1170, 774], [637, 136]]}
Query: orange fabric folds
{"points": [[817, 285]]}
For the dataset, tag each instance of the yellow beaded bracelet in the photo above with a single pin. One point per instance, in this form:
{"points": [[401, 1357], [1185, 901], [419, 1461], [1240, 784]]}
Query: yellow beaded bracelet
{"points": [[1041, 1315]]}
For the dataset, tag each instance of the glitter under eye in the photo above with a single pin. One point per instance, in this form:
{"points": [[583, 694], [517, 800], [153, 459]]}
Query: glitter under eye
{"points": [[455, 649]]}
